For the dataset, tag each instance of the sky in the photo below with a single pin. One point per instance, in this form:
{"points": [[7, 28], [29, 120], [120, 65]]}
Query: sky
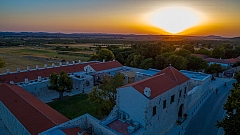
{"points": [[215, 17]]}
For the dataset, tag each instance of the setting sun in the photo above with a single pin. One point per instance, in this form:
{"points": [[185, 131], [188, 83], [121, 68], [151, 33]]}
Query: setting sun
{"points": [[174, 19]]}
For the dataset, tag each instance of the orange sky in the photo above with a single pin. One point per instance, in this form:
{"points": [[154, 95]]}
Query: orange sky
{"points": [[220, 17]]}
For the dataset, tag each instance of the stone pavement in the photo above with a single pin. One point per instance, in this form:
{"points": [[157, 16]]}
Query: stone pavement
{"points": [[180, 129]]}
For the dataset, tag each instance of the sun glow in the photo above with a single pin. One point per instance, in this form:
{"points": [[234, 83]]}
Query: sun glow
{"points": [[175, 19]]}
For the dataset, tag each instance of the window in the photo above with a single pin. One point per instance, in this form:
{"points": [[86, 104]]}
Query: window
{"points": [[164, 104], [154, 110], [172, 98], [180, 93], [185, 90]]}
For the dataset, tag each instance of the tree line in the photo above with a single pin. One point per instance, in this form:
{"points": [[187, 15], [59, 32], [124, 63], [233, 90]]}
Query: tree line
{"points": [[159, 56]]}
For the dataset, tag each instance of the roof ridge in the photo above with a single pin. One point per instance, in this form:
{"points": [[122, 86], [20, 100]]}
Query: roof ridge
{"points": [[31, 104], [134, 83], [173, 74]]}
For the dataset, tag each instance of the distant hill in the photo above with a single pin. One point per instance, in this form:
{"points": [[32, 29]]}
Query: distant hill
{"points": [[113, 36]]}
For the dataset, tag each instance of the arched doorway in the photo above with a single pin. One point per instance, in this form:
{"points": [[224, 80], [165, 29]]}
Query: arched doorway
{"points": [[180, 111]]}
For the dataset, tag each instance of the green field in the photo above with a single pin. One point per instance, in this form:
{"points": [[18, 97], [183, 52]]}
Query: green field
{"points": [[74, 106], [31, 56]]}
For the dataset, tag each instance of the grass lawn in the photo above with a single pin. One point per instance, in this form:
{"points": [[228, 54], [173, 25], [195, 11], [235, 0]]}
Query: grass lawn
{"points": [[74, 106], [16, 57]]}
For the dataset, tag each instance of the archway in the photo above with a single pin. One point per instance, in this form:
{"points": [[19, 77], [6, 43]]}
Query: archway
{"points": [[180, 111]]}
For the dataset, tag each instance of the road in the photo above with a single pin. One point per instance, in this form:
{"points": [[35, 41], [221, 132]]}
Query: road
{"points": [[204, 121]]}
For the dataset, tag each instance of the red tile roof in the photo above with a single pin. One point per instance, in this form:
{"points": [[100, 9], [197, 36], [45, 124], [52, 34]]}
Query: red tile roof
{"points": [[175, 74], [33, 74], [233, 60], [165, 80], [224, 61], [106, 65], [73, 131], [33, 114], [203, 56], [158, 84]]}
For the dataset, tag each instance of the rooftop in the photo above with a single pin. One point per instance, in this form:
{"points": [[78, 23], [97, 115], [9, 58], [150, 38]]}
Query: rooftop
{"points": [[163, 81], [33, 114], [223, 61], [105, 65], [174, 74], [150, 72], [120, 127], [195, 75], [33, 74]]}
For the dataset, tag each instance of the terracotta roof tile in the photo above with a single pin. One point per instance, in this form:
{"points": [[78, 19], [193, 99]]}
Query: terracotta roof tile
{"points": [[33, 74], [158, 84], [175, 74], [31, 112], [72, 131], [233, 60], [203, 56], [224, 61], [165, 80], [106, 65]]}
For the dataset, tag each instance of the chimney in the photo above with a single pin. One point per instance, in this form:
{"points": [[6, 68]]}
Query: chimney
{"points": [[8, 71], [60, 64], [18, 69], [28, 68], [73, 63], [147, 92], [11, 82], [67, 63], [37, 67], [53, 65], [103, 60], [79, 61], [26, 81], [45, 65], [39, 78]]}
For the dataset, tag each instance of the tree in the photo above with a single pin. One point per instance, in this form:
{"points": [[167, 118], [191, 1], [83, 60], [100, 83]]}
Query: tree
{"points": [[103, 54], [137, 59], [119, 58], [196, 63], [147, 63], [214, 68], [218, 52], [129, 59], [203, 51], [161, 60], [149, 50], [231, 121], [168, 48], [60, 83], [104, 97], [177, 61], [183, 52], [189, 48], [2, 63]]}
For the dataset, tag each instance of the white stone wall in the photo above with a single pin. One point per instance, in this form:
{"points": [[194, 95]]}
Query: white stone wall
{"points": [[165, 118], [132, 103], [85, 121], [11, 122]]}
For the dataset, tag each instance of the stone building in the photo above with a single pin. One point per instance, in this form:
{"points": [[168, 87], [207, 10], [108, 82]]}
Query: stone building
{"points": [[150, 105]]}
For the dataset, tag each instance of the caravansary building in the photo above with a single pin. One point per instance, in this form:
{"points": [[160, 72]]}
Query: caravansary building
{"points": [[150, 102]]}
